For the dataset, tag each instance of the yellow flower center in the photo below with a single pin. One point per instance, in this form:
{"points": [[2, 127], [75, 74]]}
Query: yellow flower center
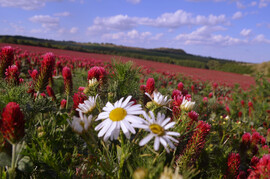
{"points": [[157, 129], [118, 114], [82, 123]]}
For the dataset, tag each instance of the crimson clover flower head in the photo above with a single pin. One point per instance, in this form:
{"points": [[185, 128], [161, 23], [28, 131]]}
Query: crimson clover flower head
{"points": [[12, 123]]}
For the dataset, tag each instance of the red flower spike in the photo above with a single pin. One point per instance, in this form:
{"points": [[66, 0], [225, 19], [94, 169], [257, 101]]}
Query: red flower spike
{"points": [[233, 165], [12, 123], [97, 72], [50, 92], [150, 85], [6, 60], [262, 169], [67, 75], [180, 86]]}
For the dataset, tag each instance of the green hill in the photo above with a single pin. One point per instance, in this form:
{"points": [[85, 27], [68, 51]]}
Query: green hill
{"points": [[167, 55]]}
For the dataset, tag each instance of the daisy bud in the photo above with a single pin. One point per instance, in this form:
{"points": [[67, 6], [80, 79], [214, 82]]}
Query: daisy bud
{"points": [[150, 85], [63, 104], [12, 75], [12, 123], [180, 86], [66, 72], [6, 59]]}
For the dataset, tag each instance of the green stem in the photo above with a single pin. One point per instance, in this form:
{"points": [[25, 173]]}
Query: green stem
{"points": [[11, 171], [1, 172], [67, 102], [122, 158]]}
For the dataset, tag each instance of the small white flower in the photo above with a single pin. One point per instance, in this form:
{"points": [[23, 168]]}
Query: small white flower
{"points": [[92, 82], [121, 114], [82, 123], [187, 105], [88, 105], [159, 99], [158, 128]]}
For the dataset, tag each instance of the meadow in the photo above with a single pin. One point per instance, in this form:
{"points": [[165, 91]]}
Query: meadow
{"points": [[82, 115]]}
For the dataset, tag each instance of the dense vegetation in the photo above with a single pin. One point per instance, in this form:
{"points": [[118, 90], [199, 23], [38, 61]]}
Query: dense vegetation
{"points": [[167, 55], [66, 117]]}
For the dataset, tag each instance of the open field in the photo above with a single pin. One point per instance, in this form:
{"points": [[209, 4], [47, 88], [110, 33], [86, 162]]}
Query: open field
{"points": [[196, 74]]}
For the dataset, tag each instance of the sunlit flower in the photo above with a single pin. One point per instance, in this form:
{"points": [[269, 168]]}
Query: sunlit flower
{"points": [[88, 105], [159, 99], [121, 114], [187, 105], [92, 82], [158, 128], [82, 123]]}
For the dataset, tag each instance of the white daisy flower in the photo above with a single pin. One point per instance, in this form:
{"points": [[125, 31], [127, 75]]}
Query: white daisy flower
{"points": [[121, 114], [159, 99], [82, 123], [158, 128], [187, 105], [88, 105]]}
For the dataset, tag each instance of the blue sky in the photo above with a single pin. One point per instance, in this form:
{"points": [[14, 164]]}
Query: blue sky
{"points": [[231, 29]]}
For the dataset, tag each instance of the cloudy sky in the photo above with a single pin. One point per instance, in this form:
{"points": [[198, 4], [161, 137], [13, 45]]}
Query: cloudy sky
{"points": [[231, 29]]}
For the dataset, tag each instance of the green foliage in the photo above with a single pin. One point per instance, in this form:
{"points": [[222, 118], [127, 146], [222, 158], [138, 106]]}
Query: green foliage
{"points": [[125, 80]]}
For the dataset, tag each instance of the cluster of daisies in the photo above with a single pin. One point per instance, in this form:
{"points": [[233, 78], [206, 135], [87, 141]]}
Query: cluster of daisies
{"points": [[126, 116]]}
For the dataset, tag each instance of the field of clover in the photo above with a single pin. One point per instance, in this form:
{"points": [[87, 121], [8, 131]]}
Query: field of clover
{"points": [[65, 117]]}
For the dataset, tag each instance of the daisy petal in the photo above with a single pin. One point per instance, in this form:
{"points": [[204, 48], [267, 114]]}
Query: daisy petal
{"points": [[146, 139], [156, 144], [168, 126]]}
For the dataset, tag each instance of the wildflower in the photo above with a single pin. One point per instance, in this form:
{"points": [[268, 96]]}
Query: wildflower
{"points": [[159, 99], [158, 128], [82, 123], [12, 74], [33, 74], [46, 70], [195, 144], [193, 115], [205, 100], [262, 169], [92, 82], [233, 165], [180, 86], [7, 56], [246, 138], [176, 93], [51, 92], [121, 114], [66, 72], [150, 86], [169, 174], [88, 105], [214, 86], [12, 123], [187, 105], [97, 72], [77, 99], [210, 95], [63, 104], [255, 138]]}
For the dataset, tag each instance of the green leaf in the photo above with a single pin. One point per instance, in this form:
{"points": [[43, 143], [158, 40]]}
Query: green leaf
{"points": [[25, 164]]}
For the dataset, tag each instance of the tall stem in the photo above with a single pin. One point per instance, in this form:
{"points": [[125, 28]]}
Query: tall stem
{"points": [[67, 101], [11, 171]]}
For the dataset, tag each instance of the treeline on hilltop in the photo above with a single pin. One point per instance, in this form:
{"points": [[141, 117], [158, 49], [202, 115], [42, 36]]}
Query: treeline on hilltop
{"points": [[166, 55]]}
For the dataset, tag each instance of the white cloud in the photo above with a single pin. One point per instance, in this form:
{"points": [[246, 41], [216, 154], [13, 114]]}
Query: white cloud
{"points": [[46, 21], [166, 20], [245, 32], [25, 4], [204, 36], [264, 3], [237, 15], [74, 30], [253, 3], [133, 34], [134, 1], [261, 39], [62, 14]]}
